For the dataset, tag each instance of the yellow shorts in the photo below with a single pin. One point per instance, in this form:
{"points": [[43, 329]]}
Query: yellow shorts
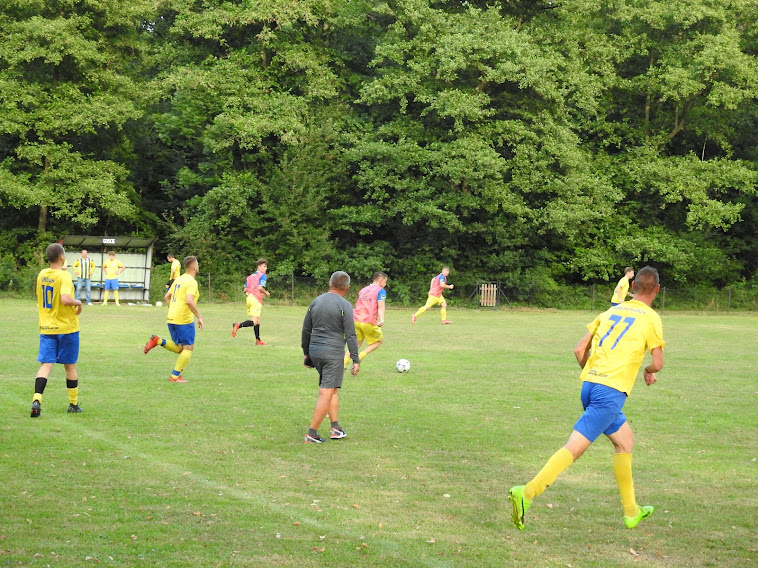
{"points": [[254, 307], [433, 301], [368, 331]]}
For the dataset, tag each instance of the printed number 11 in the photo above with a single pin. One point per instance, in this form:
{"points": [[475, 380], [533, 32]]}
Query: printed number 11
{"points": [[617, 319]]}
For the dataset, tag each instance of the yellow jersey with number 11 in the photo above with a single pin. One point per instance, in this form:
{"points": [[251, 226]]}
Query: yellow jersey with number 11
{"points": [[178, 310]]}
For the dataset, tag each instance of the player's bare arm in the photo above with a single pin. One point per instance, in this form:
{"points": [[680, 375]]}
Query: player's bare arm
{"points": [[654, 367], [193, 308], [67, 300], [582, 350]]}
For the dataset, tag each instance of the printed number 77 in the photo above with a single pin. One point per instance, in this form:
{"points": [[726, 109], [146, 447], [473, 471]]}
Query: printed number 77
{"points": [[616, 319]]}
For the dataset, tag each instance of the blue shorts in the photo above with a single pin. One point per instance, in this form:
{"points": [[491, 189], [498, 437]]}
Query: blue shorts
{"points": [[111, 284], [182, 334], [63, 348], [602, 411]]}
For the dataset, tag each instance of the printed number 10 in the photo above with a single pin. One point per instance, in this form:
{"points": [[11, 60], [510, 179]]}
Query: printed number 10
{"points": [[616, 320], [47, 297]]}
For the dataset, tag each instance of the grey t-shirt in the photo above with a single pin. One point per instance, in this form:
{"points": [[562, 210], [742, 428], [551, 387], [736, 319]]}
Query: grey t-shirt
{"points": [[327, 326]]}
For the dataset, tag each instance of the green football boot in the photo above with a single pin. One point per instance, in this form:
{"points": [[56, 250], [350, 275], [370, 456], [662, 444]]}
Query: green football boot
{"points": [[642, 513], [520, 506]]}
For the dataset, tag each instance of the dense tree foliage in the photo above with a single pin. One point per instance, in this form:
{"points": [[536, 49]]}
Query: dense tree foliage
{"points": [[526, 141]]}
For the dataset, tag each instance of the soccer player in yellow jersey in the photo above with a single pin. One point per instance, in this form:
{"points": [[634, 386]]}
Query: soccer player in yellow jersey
{"points": [[610, 355], [58, 327], [176, 269], [112, 268], [622, 288], [182, 307]]}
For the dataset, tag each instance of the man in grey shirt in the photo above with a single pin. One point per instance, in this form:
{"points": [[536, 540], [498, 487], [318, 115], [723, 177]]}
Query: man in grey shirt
{"points": [[327, 326]]}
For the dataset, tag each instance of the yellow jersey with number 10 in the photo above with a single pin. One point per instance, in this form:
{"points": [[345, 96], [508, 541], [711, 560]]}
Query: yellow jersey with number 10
{"points": [[54, 317], [178, 310], [621, 336]]}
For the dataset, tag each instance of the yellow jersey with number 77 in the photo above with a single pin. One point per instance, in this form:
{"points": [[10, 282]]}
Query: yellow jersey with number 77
{"points": [[621, 337]]}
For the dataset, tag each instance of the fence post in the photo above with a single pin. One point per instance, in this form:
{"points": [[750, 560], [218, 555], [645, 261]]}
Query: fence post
{"points": [[292, 288], [729, 301]]}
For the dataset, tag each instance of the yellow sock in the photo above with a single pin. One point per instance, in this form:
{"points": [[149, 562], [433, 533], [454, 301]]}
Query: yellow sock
{"points": [[443, 313], [115, 296], [106, 293], [420, 311], [347, 360], [559, 461], [362, 355], [622, 471], [37, 396], [182, 361], [170, 345], [73, 395]]}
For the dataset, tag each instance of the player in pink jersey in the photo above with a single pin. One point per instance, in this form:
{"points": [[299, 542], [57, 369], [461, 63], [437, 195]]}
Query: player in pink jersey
{"points": [[439, 283], [368, 315], [255, 288]]}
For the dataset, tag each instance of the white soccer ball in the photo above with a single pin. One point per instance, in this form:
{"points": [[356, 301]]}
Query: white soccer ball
{"points": [[159, 304], [403, 366]]}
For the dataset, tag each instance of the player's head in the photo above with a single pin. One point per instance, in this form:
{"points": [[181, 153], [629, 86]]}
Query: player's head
{"points": [[112, 254], [55, 252], [647, 281], [445, 270], [380, 278], [84, 253], [629, 272], [339, 281], [191, 264], [261, 265], [170, 256]]}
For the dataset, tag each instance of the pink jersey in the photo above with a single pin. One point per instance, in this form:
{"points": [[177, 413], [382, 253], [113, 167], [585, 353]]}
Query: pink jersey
{"points": [[367, 306], [253, 283], [436, 287]]}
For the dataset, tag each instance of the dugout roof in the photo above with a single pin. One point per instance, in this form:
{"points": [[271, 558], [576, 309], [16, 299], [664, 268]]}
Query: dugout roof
{"points": [[80, 241]]}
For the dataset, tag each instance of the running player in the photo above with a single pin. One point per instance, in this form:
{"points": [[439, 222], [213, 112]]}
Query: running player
{"points": [[622, 288], [368, 315], [58, 327], [182, 306], [439, 283], [610, 355], [255, 288]]}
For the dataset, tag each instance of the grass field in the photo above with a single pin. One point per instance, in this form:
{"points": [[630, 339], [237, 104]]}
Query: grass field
{"points": [[215, 472]]}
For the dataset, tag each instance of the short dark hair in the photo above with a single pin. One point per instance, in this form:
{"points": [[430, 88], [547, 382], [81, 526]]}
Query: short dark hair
{"points": [[339, 280], [261, 261], [379, 274], [188, 260], [112, 252], [646, 280], [628, 269], [170, 255], [54, 251]]}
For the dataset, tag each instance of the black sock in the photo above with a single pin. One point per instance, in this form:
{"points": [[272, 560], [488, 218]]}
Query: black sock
{"points": [[39, 385], [248, 323], [72, 384], [312, 433], [257, 328], [336, 425]]}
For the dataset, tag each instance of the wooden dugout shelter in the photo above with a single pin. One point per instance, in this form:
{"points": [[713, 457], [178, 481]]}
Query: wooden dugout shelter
{"points": [[135, 253]]}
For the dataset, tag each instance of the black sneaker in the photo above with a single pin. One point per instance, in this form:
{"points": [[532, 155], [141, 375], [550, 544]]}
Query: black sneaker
{"points": [[314, 439], [36, 409], [74, 408]]}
